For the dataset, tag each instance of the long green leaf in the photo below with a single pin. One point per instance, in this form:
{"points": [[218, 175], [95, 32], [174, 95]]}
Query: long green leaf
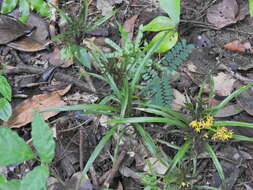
{"points": [[206, 187], [215, 161], [242, 138], [96, 152], [149, 143], [42, 138], [13, 149], [92, 107], [125, 101], [231, 96], [233, 123], [169, 111], [5, 109], [180, 155], [35, 179], [147, 120]]}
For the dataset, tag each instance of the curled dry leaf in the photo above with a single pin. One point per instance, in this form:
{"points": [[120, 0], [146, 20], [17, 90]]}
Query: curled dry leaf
{"points": [[225, 13], [229, 110], [23, 113], [11, 29], [129, 26], [239, 46], [56, 60]]}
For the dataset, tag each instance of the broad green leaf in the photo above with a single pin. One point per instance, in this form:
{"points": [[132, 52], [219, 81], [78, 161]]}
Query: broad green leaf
{"points": [[251, 7], [168, 42], [5, 109], [35, 179], [96, 152], [180, 155], [13, 148], [24, 9], [8, 6], [83, 57], [42, 138], [5, 88], [172, 8], [159, 23], [10, 185], [215, 161]]}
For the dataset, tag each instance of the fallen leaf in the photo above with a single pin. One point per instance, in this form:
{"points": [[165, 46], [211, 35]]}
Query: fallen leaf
{"points": [[27, 44], [23, 113], [223, 84], [239, 46], [11, 29], [157, 166], [56, 60], [225, 13], [245, 100], [129, 26], [178, 101], [106, 6], [228, 110]]}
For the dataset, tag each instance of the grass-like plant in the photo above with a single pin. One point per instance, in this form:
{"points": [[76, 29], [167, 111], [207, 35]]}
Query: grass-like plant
{"points": [[75, 31], [199, 131]]}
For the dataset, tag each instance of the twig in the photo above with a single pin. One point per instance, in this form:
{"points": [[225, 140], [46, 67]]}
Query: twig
{"points": [[81, 148], [114, 170], [58, 76]]}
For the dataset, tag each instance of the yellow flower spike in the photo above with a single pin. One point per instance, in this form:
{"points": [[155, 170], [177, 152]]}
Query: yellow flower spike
{"points": [[205, 135], [222, 134]]}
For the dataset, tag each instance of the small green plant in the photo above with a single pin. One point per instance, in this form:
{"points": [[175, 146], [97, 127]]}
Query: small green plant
{"points": [[157, 89], [24, 7], [199, 131], [75, 31], [165, 26], [14, 150], [5, 91]]}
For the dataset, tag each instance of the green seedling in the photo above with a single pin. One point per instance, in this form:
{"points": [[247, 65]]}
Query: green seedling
{"points": [[24, 7], [165, 26], [14, 150]]}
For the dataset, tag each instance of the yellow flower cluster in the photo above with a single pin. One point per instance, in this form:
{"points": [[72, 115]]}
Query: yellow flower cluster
{"points": [[222, 133], [204, 123]]}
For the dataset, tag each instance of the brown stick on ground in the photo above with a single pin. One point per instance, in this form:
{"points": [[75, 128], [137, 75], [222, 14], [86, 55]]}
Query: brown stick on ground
{"points": [[58, 76], [114, 170]]}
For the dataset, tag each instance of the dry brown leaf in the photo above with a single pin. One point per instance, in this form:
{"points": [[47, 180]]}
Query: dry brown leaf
{"points": [[129, 26], [245, 100], [223, 84], [239, 46], [56, 60], [11, 29], [228, 110], [178, 101], [225, 13], [23, 113]]}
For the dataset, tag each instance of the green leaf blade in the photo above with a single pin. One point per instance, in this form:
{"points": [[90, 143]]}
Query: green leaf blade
{"points": [[13, 148], [10, 185], [43, 139], [159, 23], [35, 179], [8, 6], [172, 8], [5, 88], [5, 109], [251, 7]]}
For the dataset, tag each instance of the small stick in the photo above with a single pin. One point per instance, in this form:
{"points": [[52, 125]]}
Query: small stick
{"points": [[114, 169], [81, 148]]}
